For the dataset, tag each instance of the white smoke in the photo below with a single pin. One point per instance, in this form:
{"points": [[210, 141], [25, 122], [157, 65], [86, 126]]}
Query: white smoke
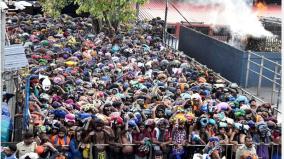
{"points": [[236, 14]]}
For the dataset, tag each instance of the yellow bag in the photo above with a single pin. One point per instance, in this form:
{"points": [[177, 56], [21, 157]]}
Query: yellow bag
{"points": [[86, 151], [101, 155]]}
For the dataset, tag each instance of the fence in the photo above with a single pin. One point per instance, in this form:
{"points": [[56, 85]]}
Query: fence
{"points": [[170, 41], [228, 150], [262, 70]]}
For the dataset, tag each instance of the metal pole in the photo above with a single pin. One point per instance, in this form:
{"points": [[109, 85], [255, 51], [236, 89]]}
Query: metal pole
{"points": [[137, 10], [279, 97], [260, 75], [166, 17], [274, 84], [272, 151], [3, 32], [247, 74], [172, 42]]}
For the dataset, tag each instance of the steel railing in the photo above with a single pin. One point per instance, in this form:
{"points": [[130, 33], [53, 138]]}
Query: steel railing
{"points": [[228, 150], [170, 41], [276, 75]]}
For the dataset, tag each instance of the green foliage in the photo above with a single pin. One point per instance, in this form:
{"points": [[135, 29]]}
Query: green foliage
{"points": [[110, 11], [54, 7]]}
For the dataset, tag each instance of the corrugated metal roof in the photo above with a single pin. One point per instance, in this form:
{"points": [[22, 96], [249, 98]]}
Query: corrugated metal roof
{"points": [[15, 58]]}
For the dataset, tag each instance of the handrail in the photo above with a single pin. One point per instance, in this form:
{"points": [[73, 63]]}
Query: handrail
{"points": [[275, 80], [264, 58], [265, 77], [187, 145]]}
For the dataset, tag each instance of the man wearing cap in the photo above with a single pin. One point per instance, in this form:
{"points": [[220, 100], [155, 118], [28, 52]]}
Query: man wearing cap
{"points": [[247, 149]]}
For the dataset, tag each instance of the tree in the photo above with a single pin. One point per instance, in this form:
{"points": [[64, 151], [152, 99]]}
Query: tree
{"points": [[110, 12]]}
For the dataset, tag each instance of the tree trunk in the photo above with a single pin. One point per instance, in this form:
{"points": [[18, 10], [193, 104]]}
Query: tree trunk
{"points": [[96, 24], [107, 20], [115, 24]]}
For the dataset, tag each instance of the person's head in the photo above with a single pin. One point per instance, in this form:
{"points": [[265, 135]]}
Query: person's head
{"points": [[222, 130], [99, 124], [44, 139], [236, 130], [162, 127], [72, 131], [10, 150], [215, 155], [140, 101], [70, 120], [141, 127], [114, 91], [248, 141], [107, 109], [178, 91], [62, 132], [28, 138], [160, 113], [252, 103]]}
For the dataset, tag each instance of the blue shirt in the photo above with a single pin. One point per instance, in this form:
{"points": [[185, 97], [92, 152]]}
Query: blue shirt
{"points": [[11, 157]]}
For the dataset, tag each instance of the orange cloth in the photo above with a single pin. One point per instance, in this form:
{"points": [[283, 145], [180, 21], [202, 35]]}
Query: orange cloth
{"points": [[195, 107], [182, 85], [60, 141]]}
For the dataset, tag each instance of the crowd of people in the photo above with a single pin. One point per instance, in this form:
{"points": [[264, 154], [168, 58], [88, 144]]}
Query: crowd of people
{"points": [[121, 93]]}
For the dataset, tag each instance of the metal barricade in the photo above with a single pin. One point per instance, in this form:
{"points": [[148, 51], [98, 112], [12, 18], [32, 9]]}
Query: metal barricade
{"points": [[258, 65], [170, 41], [228, 151]]}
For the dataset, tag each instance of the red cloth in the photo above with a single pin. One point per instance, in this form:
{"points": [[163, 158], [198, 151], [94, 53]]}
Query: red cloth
{"points": [[139, 137], [166, 136]]}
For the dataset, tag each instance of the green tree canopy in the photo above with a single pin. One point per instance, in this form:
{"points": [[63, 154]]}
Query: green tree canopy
{"points": [[111, 12]]}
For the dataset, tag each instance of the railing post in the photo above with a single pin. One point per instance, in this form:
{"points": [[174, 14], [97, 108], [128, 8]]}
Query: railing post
{"points": [[247, 73], [226, 150], [168, 39], [175, 44], [274, 83], [272, 151], [278, 96], [137, 10], [260, 75], [166, 17], [172, 46]]}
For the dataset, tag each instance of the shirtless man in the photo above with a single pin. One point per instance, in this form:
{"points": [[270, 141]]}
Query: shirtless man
{"points": [[126, 138], [98, 137]]}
